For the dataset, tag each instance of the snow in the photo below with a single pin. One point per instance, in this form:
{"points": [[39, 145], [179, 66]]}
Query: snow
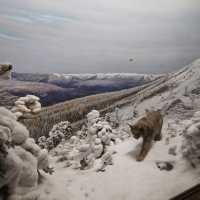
{"points": [[102, 76], [25, 105], [128, 179]]}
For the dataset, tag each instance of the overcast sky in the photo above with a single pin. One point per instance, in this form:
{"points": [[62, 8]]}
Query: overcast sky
{"points": [[87, 36]]}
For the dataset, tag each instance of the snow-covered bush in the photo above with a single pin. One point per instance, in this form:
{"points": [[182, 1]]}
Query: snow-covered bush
{"points": [[114, 119], [64, 129], [20, 158], [93, 117], [191, 144], [42, 142], [83, 132], [106, 159], [82, 152], [59, 132]]}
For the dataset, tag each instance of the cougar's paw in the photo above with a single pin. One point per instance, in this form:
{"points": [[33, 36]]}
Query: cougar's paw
{"points": [[139, 158], [158, 138]]}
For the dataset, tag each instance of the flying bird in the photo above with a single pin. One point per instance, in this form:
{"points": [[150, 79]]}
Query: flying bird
{"points": [[130, 59]]}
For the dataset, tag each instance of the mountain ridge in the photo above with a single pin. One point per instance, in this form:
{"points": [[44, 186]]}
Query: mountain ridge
{"points": [[53, 89]]}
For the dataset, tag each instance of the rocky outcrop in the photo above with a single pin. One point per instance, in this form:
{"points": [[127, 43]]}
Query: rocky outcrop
{"points": [[5, 71]]}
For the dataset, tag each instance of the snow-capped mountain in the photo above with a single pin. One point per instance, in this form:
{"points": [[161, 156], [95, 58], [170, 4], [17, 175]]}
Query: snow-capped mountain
{"points": [[102, 76]]}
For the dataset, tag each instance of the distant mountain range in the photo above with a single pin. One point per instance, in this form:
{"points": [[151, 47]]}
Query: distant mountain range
{"points": [[71, 78], [54, 88]]}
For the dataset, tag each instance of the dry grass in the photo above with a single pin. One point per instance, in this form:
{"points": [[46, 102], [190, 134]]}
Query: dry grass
{"points": [[75, 110], [6, 99]]}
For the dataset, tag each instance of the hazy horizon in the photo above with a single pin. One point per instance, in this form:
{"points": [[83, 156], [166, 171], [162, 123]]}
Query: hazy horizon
{"points": [[92, 36]]}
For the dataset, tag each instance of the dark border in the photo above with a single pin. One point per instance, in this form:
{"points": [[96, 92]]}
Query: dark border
{"points": [[190, 194]]}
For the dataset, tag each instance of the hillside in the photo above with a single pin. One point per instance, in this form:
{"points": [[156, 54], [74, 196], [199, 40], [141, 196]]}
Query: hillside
{"points": [[75, 110]]}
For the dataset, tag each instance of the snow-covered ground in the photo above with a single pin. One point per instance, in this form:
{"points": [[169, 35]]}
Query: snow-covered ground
{"points": [[128, 179]]}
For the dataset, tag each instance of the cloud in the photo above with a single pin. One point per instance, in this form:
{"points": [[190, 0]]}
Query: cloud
{"points": [[6, 34], [100, 35], [23, 16], [8, 37]]}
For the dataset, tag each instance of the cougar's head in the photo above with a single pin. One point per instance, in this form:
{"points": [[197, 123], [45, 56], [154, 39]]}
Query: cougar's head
{"points": [[136, 130]]}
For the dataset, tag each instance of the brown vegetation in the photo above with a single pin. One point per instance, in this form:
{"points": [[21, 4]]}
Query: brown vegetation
{"points": [[75, 110]]}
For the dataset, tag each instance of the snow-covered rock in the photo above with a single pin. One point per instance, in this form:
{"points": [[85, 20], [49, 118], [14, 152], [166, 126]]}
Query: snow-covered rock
{"points": [[5, 71], [26, 105], [20, 164], [191, 141]]}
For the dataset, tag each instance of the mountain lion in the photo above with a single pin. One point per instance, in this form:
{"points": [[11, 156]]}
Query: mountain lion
{"points": [[149, 128]]}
